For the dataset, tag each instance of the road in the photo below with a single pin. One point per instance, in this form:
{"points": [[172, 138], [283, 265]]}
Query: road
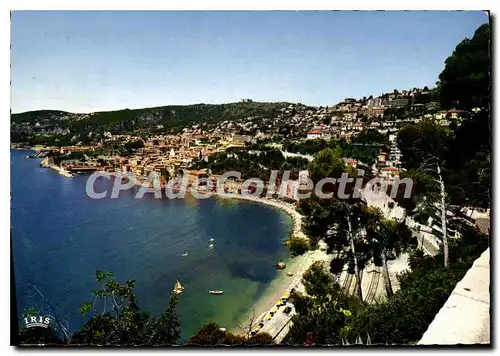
{"points": [[280, 324], [423, 233]]}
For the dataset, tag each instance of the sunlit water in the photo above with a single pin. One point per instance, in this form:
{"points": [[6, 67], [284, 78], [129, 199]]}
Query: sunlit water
{"points": [[60, 237]]}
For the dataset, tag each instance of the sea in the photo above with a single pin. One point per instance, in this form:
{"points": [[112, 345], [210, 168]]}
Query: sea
{"points": [[60, 237]]}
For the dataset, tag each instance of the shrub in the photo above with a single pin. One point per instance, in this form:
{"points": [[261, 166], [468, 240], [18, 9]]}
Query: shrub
{"points": [[210, 334], [298, 245]]}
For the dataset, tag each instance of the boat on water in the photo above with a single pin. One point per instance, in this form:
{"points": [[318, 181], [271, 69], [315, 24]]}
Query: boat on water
{"points": [[211, 240], [178, 288], [216, 292], [184, 254], [211, 246], [280, 265]]}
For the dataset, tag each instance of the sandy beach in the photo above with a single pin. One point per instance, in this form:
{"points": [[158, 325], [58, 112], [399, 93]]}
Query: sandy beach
{"points": [[283, 283]]}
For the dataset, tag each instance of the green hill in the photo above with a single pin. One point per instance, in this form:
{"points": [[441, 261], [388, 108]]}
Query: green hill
{"points": [[172, 116]]}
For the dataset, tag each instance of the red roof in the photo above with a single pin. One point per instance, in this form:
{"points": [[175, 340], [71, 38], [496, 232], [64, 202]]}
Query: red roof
{"points": [[315, 131]]}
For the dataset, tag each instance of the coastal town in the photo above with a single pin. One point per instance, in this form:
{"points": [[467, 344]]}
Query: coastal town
{"points": [[170, 155], [366, 221]]}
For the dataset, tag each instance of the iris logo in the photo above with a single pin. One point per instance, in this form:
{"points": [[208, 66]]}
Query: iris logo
{"points": [[32, 321]]}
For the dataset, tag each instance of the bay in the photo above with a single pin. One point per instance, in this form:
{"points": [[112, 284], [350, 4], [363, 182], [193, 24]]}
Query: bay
{"points": [[60, 237]]}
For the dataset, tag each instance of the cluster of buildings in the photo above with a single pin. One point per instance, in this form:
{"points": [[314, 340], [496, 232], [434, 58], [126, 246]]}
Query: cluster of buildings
{"points": [[169, 154], [389, 163]]}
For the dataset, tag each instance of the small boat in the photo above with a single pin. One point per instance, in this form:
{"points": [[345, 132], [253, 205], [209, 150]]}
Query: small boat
{"points": [[184, 254], [289, 274], [211, 246], [216, 292], [211, 240], [280, 265], [178, 288]]}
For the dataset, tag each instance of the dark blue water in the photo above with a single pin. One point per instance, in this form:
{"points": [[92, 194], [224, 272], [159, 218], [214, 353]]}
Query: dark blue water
{"points": [[60, 237]]}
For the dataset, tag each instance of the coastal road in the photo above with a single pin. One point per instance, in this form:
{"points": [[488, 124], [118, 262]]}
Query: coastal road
{"points": [[280, 324], [381, 200]]}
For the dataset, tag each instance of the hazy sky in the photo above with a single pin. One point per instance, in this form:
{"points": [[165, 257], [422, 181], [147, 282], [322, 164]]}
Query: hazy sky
{"points": [[89, 61]]}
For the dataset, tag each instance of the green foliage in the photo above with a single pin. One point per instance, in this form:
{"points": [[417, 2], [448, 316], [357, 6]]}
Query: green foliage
{"points": [[173, 118], [324, 312], [327, 163], [39, 336], [418, 142], [334, 318], [464, 156], [318, 281], [307, 147], [31, 311], [31, 116], [465, 81], [211, 334], [261, 338], [370, 136], [365, 147], [249, 165], [120, 322], [424, 290], [134, 145], [468, 162], [298, 245]]}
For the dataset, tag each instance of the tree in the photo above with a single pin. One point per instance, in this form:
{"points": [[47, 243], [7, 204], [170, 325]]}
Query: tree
{"points": [[405, 317], [211, 334], [318, 281], [166, 329], [465, 81], [298, 245], [323, 313], [468, 162], [124, 324], [345, 230], [134, 145], [433, 166], [419, 141], [390, 238], [327, 163]]}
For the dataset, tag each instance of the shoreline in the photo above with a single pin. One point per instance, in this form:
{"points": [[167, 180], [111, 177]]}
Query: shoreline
{"points": [[283, 283], [280, 286], [294, 214]]}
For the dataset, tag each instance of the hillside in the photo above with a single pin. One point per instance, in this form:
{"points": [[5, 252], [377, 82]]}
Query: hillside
{"points": [[173, 116], [51, 126]]}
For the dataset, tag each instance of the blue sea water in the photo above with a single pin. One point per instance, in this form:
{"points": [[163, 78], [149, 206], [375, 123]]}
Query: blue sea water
{"points": [[60, 237]]}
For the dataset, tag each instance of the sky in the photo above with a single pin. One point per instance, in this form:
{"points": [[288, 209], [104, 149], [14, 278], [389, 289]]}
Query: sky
{"points": [[104, 60]]}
